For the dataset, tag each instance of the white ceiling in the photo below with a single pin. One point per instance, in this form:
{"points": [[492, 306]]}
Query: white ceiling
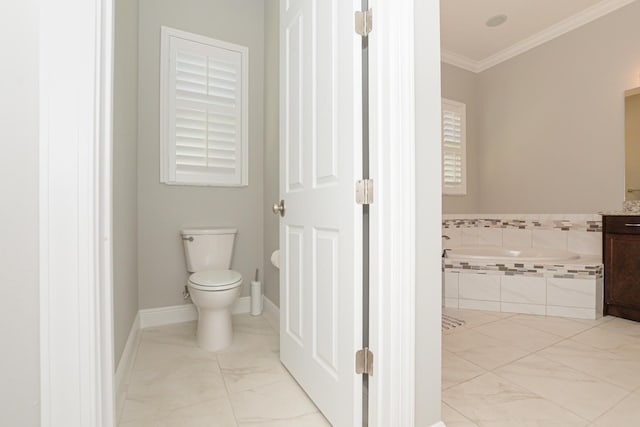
{"points": [[467, 41]]}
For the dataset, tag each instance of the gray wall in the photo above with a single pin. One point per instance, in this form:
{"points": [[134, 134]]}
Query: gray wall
{"points": [[163, 209], [19, 275], [125, 202], [462, 86], [550, 122], [271, 145]]}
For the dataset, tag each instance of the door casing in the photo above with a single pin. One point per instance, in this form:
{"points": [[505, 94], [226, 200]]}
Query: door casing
{"points": [[89, 397]]}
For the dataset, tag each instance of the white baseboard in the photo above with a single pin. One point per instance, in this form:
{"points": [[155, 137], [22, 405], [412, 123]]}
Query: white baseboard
{"points": [[151, 317], [271, 313], [439, 424], [128, 354]]}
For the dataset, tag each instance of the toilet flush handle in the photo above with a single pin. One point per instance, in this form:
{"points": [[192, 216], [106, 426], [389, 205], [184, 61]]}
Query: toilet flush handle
{"points": [[190, 238]]}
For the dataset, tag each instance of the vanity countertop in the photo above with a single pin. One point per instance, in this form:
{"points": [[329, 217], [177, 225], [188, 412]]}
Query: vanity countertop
{"points": [[629, 208], [619, 213]]}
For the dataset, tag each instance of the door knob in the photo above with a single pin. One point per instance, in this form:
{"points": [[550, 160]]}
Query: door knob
{"points": [[279, 208]]}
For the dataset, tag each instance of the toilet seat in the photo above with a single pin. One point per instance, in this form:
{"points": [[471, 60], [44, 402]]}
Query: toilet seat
{"points": [[215, 280]]}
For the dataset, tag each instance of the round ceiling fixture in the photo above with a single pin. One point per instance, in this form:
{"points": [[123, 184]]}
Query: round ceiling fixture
{"points": [[494, 21]]}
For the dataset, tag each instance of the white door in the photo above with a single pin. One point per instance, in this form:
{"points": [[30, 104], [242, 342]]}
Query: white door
{"points": [[320, 234]]}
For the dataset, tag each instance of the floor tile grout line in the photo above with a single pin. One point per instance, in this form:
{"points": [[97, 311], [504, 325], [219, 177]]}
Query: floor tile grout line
{"points": [[559, 404], [604, 380], [625, 396], [562, 339], [613, 407], [523, 387], [228, 394], [464, 416], [562, 336], [532, 353]]}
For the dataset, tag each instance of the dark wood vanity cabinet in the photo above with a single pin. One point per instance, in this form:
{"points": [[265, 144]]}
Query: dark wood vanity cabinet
{"points": [[621, 253]]}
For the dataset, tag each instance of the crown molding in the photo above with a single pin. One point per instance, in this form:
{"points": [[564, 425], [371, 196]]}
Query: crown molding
{"points": [[578, 20], [459, 61]]}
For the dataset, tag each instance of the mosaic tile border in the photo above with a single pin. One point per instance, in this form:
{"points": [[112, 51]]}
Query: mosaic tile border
{"points": [[561, 271], [560, 224]]}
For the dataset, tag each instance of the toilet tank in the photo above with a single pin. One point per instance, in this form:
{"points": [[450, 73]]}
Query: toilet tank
{"points": [[208, 248]]}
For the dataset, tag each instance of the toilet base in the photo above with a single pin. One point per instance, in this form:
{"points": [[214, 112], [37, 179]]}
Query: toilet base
{"points": [[215, 329]]}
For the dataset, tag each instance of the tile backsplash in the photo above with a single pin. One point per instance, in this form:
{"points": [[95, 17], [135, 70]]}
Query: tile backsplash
{"points": [[572, 232]]}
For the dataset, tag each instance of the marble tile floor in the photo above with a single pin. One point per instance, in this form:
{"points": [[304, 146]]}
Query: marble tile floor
{"points": [[513, 370], [499, 369], [175, 383]]}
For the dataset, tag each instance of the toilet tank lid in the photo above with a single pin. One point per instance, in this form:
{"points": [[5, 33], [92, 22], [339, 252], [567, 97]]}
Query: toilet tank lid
{"points": [[207, 230]]}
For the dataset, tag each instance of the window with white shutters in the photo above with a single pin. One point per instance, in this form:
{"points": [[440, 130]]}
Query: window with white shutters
{"points": [[454, 148], [204, 98]]}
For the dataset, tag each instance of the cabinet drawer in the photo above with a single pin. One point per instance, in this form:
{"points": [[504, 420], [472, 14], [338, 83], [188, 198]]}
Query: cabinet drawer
{"points": [[622, 224]]}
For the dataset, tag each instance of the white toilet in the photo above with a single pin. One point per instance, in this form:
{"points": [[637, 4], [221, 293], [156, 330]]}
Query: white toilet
{"points": [[213, 287]]}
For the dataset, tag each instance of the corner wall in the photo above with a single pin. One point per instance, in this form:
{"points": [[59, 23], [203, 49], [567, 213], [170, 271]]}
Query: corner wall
{"points": [[546, 128], [19, 215], [125, 195], [551, 121], [162, 209], [271, 146]]}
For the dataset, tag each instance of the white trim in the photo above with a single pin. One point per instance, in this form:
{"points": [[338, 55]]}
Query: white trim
{"points": [[160, 316], [452, 58], [576, 21], [439, 424], [76, 336], [128, 355], [271, 313], [392, 216], [428, 205]]}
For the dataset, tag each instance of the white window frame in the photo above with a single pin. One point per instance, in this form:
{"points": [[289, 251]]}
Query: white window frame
{"points": [[459, 190], [167, 112]]}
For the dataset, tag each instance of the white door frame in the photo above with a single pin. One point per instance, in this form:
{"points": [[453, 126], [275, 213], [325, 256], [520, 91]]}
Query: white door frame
{"points": [[76, 338], [405, 272], [76, 344]]}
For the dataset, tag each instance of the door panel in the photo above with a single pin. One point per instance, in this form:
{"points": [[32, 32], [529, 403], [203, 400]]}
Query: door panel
{"points": [[325, 298], [293, 136], [320, 158], [293, 281]]}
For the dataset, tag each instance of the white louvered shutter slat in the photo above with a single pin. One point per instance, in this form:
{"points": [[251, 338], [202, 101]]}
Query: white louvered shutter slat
{"points": [[206, 139], [453, 148]]}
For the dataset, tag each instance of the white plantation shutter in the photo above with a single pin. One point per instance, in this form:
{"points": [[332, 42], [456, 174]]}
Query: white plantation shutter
{"points": [[204, 111], [454, 148]]}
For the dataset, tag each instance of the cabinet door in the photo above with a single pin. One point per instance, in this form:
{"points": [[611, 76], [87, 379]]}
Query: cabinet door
{"points": [[622, 257]]}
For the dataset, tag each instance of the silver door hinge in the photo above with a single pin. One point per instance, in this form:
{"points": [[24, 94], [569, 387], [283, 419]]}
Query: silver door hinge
{"points": [[364, 362], [364, 192], [364, 22]]}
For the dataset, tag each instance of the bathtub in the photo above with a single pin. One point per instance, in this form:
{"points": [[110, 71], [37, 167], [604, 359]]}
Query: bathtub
{"points": [[518, 280], [509, 255]]}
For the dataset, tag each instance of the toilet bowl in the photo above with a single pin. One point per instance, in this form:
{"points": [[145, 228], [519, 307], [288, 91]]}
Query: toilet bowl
{"points": [[214, 292], [213, 287]]}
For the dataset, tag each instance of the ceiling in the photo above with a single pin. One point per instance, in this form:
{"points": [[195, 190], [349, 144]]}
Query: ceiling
{"points": [[469, 43]]}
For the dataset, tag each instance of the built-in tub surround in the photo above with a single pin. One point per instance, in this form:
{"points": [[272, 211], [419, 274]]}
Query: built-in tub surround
{"points": [[534, 264], [499, 253]]}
